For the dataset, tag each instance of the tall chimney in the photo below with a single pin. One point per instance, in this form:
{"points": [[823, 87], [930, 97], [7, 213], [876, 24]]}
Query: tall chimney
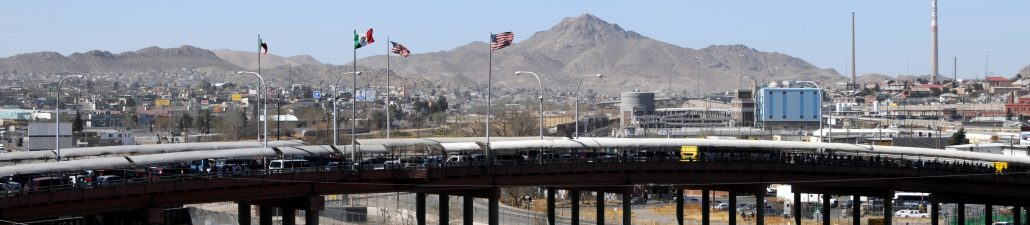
{"points": [[933, 42], [854, 82]]}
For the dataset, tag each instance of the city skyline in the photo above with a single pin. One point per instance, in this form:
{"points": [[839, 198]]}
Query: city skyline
{"points": [[893, 37]]}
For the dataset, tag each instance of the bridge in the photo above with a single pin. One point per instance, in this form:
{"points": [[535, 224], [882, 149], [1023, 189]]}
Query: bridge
{"points": [[575, 165]]}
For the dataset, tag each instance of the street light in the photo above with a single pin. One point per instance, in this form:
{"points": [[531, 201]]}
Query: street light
{"points": [[577, 97], [821, 132], [336, 98], [539, 89], [264, 104], [57, 116]]}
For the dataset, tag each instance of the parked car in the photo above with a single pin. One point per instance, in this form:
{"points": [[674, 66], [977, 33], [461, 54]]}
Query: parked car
{"points": [[911, 213], [722, 206], [108, 180]]}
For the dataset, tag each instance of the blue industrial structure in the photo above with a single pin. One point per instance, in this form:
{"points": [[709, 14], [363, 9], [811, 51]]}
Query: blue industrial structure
{"points": [[779, 107]]}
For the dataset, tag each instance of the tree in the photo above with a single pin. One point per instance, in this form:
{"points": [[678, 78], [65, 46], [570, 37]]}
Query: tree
{"points": [[959, 138], [78, 123]]}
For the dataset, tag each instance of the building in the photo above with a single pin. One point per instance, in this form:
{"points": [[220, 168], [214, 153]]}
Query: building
{"points": [[744, 107], [1019, 107], [633, 105], [41, 136], [790, 108]]}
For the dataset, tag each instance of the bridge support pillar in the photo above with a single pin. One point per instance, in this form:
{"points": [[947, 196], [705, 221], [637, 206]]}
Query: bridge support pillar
{"points": [[706, 206], [468, 209], [988, 214], [243, 212], [599, 202], [796, 207], [155, 216], [760, 207], [679, 206], [856, 210], [935, 210], [574, 199], [732, 209], [960, 213], [420, 208], [289, 216], [550, 206], [445, 209], [311, 217], [888, 211], [492, 207], [627, 207], [265, 214], [1017, 215], [826, 209]]}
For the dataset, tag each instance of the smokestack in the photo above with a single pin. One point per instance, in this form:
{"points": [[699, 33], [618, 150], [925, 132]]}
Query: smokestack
{"points": [[854, 82], [933, 42]]}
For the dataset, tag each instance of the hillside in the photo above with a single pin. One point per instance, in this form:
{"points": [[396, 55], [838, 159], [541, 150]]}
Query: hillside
{"points": [[152, 59], [248, 60]]}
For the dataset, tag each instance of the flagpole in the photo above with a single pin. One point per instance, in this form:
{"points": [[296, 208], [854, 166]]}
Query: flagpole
{"points": [[489, 92], [259, 72], [354, 109], [387, 105]]}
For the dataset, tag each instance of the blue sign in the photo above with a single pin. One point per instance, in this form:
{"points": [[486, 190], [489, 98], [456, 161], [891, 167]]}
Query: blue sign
{"points": [[316, 94]]}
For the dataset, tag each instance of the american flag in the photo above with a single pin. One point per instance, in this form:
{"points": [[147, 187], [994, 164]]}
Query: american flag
{"points": [[499, 41], [400, 49]]}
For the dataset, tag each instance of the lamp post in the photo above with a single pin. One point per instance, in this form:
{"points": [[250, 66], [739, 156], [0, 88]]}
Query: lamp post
{"points": [[264, 104], [821, 132], [580, 93], [57, 116], [539, 89], [336, 98]]}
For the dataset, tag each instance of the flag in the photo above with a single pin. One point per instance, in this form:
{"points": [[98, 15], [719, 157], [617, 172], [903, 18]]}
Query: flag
{"points": [[400, 49], [263, 46], [499, 41], [361, 41]]}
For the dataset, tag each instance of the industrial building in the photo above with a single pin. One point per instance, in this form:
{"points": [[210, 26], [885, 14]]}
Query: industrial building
{"points": [[789, 108]]}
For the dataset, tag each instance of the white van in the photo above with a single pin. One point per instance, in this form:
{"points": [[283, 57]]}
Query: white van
{"points": [[280, 164]]}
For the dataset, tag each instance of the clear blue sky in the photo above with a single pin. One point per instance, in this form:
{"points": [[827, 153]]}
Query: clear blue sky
{"points": [[893, 35]]}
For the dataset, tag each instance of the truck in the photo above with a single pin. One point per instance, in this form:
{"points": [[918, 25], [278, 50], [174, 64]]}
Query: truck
{"points": [[911, 213]]}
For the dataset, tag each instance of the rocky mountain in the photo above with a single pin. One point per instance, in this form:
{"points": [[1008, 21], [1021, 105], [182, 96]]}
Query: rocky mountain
{"points": [[150, 59], [248, 60], [873, 78], [588, 45]]}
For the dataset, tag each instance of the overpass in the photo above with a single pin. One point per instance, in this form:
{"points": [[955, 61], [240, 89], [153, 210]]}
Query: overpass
{"points": [[738, 166]]}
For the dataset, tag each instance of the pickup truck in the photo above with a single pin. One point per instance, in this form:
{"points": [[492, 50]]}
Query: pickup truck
{"points": [[911, 213]]}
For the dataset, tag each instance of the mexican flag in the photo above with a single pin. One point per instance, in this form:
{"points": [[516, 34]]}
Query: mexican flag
{"points": [[364, 39], [263, 46]]}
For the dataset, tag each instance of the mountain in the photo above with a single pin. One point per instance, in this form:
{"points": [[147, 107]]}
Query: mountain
{"points": [[1025, 71], [588, 45], [248, 60], [873, 78], [152, 59]]}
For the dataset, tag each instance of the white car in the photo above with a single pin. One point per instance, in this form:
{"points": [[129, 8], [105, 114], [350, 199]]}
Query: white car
{"points": [[911, 213]]}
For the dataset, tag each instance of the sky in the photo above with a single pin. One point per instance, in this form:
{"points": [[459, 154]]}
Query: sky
{"points": [[893, 36]]}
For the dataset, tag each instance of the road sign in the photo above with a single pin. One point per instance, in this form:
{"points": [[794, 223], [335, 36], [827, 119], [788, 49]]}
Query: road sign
{"points": [[316, 94], [236, 97], [164, 102]]}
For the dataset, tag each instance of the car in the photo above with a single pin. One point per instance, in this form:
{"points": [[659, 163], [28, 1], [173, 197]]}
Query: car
{"points": [[911, 213], [108, 180], [722, 206], [279, 165]]}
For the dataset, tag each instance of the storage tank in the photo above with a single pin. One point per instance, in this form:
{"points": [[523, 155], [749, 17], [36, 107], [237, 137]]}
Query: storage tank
{"points": [[641, 101]]}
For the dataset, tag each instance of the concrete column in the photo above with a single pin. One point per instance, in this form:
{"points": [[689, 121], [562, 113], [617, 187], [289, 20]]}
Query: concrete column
{"points": [[492, 208], [988, 214], [679, 206], [265, 214], [1017, 215], [550, 206], [420, 208], [935, 211], [856, 210], [445, 209], [888, 209], [627, 208], [289, 216], [796, 208], [155, 215], [732, 210], [706, 207], [961, 213], [600, 207], [826, 209], [574, 198], [311, 216], [243, 212], [760, 207], [468, 209]]}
